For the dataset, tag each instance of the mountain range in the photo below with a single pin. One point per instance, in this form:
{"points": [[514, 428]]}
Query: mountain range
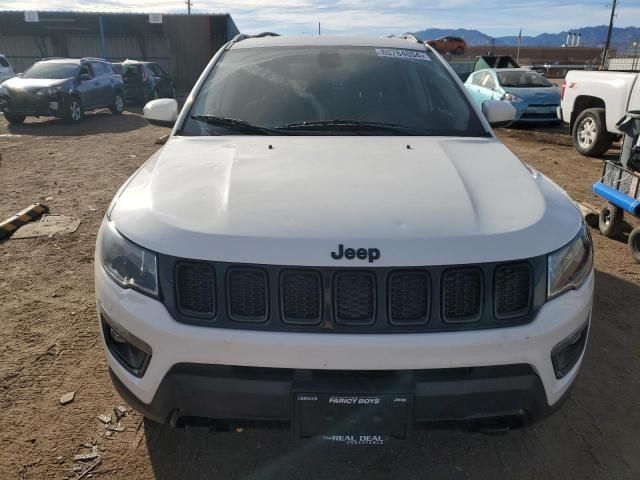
{"points": [[621, 38]]}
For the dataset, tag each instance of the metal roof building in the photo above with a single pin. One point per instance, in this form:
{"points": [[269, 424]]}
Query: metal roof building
{"points": [[183, 44]]}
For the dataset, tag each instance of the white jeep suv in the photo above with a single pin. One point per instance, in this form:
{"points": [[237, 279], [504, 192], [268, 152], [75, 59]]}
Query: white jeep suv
{"points": [[333, 237]]}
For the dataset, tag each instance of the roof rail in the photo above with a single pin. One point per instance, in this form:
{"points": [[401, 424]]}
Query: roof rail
{"points": [[243, 36], [407, 36], [71, 58]]}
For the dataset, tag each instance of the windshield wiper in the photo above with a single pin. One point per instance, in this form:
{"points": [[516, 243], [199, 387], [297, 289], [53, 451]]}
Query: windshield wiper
{"points": [[349, 124], [235, 124]]}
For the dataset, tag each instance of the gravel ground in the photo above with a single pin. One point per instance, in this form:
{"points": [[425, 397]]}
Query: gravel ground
{"points": [[50, 345]]}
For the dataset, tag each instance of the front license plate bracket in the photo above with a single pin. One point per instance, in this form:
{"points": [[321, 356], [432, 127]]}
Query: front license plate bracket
{"points": [[322, 414]]}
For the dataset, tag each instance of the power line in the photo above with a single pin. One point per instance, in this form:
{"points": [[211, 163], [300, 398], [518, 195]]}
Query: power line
{"points": [[605, 53]]}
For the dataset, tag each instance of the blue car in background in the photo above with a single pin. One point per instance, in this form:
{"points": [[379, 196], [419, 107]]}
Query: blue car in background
{"points": [[534, 97]]}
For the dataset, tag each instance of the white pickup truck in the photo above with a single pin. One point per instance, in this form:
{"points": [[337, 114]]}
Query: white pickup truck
{"points": [[593, 103]]}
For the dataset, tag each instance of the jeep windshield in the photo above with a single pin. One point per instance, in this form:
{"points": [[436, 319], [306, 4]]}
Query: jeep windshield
{"points": [[330, 91], [53, 70]]}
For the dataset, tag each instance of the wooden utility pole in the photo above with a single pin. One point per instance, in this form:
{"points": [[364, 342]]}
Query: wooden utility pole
{"points": [[189, 3], [605, 53]]}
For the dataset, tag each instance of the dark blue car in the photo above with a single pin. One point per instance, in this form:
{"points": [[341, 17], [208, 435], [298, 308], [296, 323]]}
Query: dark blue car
{"points": [[62, 87]]}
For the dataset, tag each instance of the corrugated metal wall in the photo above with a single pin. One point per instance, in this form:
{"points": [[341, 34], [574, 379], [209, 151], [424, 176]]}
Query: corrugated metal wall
{"points": [[190, 46], [23, 51], [182, 44], [155, 49]]}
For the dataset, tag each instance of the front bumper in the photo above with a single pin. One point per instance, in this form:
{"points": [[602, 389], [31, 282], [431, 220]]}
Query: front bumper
{"points": [[221, 373], [32, 105], [536, 114], [192, 391]]}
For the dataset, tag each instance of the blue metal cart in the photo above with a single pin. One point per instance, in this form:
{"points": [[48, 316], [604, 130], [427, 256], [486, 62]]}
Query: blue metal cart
{"points": [[620, 185]]}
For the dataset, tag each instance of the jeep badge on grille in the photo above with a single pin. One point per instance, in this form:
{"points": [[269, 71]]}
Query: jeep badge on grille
{"points": [[372, 254]]}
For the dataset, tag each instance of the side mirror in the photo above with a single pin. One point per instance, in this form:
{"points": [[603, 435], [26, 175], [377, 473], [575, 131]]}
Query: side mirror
{"points": [[85, 77], [19, 74], [163, 111], [499, 113]]}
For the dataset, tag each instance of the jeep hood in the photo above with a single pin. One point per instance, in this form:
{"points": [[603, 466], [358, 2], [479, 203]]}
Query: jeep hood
{"points": [[290, 200]]}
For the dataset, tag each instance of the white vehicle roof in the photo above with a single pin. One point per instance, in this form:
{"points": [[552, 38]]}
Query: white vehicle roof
{"points": [[345, 41]]}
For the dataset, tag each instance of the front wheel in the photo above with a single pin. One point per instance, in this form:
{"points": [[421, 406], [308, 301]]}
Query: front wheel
{"points": [[634, 243], [14, 119], [118, 104], [610, 221], [74, 111], [590, 135]]}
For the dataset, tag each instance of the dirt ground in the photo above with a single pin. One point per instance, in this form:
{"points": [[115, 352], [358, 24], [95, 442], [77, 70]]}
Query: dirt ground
{"points": [[49, 345]]}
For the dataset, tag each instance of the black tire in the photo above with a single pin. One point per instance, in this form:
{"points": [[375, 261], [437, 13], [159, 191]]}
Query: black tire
{"points": [[75, 111], [610, 221], [458, 51], [634, 243], [14, 119], [117, 107], [590, 135]]}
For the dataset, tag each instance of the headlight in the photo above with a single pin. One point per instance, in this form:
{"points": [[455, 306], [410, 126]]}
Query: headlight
{"points": [[130, 265], [509, 97], [50, 91], [569, 267]]}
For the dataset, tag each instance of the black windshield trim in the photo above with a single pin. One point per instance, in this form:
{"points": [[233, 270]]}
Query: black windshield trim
{"points": [[234, 124], [332, 125], [484, 130]]}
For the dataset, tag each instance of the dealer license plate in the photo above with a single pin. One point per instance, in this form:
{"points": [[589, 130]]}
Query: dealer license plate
{"points": [[354, 416]]}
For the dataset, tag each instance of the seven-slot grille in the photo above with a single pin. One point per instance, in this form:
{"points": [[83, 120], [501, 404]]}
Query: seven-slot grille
{"points": [[512, 290], [462, 295], [195, 288], [355, 298], [247, 294], [301, 297], [346, 299], [409, 298]]}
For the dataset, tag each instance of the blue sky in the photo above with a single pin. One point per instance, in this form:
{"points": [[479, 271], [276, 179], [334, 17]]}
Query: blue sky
{"points": [[377, 17]]}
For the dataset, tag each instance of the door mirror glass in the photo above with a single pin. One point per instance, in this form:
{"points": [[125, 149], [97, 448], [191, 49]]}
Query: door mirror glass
{"points": [[163, 111], [498, 113]]}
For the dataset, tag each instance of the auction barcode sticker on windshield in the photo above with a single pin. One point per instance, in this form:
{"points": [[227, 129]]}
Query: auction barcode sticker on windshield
{"points": [[399, 53]]}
